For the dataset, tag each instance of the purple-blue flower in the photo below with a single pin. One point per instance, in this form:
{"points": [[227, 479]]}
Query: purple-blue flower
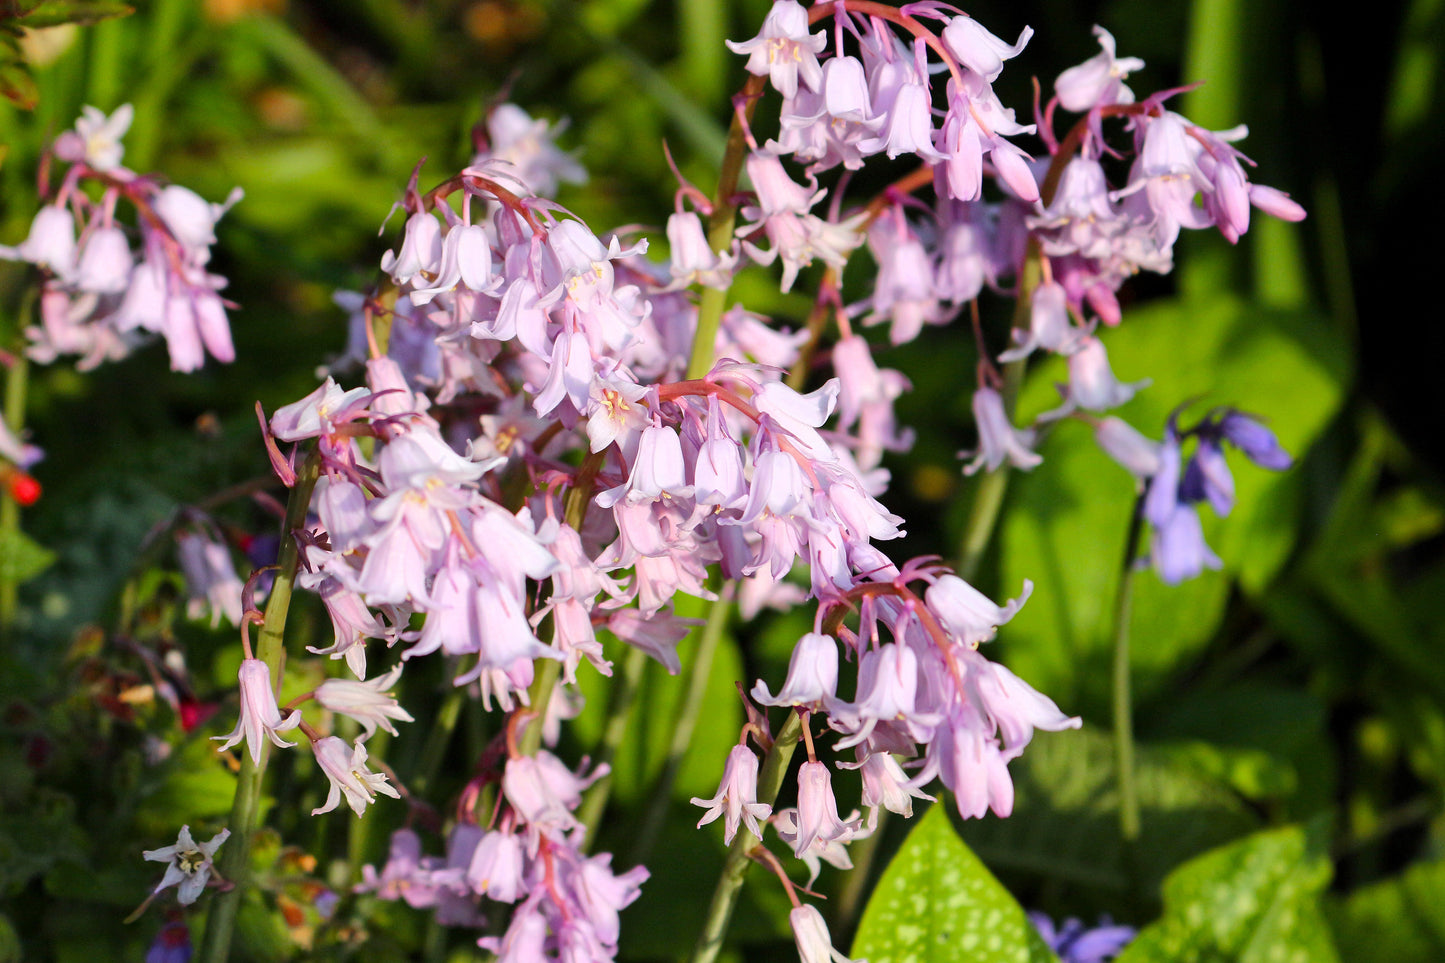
{"points": [[1076, 944]]}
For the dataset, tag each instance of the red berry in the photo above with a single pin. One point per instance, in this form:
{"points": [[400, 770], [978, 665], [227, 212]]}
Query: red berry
{"points": [[23, 488]]}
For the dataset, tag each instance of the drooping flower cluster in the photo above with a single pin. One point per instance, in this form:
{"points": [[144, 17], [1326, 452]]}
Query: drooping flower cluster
{"points": [[533, 457], [565, 903], [1177, 549], [107, 285]]}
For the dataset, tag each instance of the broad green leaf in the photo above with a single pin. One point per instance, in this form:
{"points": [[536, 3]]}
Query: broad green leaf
{"points": [[21, 557], [1067, 519], [9, 942], [1252, 901], [1065, 824], [1397, 920], [193, 787], [53, 13], [937, 902]]}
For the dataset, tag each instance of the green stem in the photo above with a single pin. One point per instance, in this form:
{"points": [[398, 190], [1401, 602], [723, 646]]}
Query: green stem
{"points": [[235, 862], [720, 229], [1123, 715], [16, 384], [539, 696], [730, 882], [619, 713], [686, 722]]}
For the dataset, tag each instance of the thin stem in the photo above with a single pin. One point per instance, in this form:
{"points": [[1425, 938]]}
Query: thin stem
{"points": [[16, 384], [730, 882], [235, 863], [1123, 715], [619, 714], [720, 228], [686, 723]]}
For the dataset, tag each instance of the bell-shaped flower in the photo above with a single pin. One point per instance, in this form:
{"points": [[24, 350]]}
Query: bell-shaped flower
{"points": [[718, 477], [15, 451], [656, 633], [818, 820], [783, 50], [191, 219], [1275, 203], [421, 249], [887, 692], [815, 945], [1092, 384], [1098, 81], [189, 863], [367, 702], [1207, 478], [777, 192], [1049, 325], [693, 261], [529, 149], [979, 50], [1014, 706], [1256, 441], [346, 767], [602, 894], [1163, 495], [260, 716], [497, 868], [907, 126], [526, 938], [658, 471], [1177, 550], [544, 791], [1139, 456], [319, 412], [968, 761], [96, 138], [998, 439], [105, 262], [211, 579], [406, 875], [812, 675], [885, 783], [615, 412], [737, 796], [967, 613], [50, 243]]}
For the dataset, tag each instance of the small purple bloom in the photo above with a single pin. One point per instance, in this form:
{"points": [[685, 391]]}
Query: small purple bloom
{"points": [[1256, 441], [1075, 944]]}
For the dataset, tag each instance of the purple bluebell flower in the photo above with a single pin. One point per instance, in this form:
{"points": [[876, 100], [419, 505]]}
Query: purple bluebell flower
{"points": [[1256, 441], [1074, 943]]}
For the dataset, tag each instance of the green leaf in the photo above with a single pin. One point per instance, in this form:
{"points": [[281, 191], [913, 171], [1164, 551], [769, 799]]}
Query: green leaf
{"points": [[1068, 519], [21, 557], [937, 902], [53, 13], [1065, 824], [10, 950], [1253, 901], [16, 83], [1397, 920]]}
